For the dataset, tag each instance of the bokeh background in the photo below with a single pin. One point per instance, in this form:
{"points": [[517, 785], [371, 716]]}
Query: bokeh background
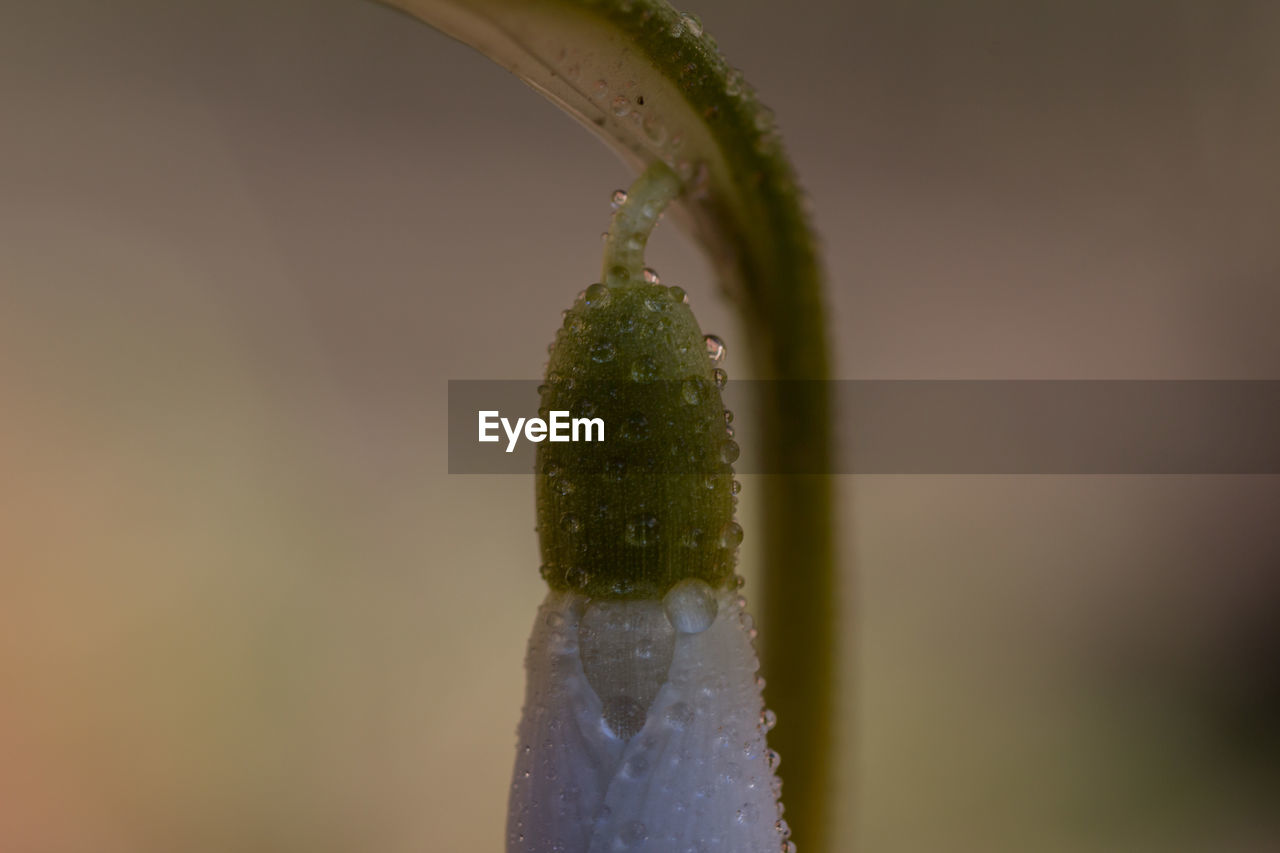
{"points": [[244, 245]]}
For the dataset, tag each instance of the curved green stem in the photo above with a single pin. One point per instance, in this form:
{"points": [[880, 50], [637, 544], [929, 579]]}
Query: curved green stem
{"points": [[655, 88], [634, 220]]}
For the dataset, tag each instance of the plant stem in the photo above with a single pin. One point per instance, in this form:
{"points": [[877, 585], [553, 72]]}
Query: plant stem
{"points": [[634, 220]]}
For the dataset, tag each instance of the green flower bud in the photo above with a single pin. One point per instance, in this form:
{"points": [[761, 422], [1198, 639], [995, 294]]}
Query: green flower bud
{"points": [[653, 503]]}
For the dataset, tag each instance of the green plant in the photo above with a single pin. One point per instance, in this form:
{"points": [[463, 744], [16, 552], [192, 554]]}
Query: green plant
{"points": [[654, 87]]}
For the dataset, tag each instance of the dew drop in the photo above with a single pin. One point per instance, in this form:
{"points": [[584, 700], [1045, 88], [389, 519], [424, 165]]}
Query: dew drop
{"points": [[656, 305], [768, 719], [764, 119], [729, 451], [733, 83], [731, 535], [691, 606], [693, 391], [678, 294], [728, 417], [570, 523], [720, 378], [783, 828], [773, 758], [621, 106], [603, 352], [715, 348], [641, 531], [636, 428], [644, 369], [618, 199], [596, 296], [735, 488], [617, 275], [650, 276]]}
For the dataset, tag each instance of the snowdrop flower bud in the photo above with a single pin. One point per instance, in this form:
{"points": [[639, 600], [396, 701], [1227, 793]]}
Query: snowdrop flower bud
{"points": [[643, 727]]}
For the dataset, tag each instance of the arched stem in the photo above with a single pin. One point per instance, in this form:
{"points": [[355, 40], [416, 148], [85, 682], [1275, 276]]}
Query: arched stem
{"points": [[632, 223]]}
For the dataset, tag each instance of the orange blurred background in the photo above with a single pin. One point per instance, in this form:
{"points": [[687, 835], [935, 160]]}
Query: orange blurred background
{"points": [[244, 245]]}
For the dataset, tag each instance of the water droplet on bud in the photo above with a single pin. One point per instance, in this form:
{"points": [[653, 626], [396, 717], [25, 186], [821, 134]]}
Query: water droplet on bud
{"points": [[642, 531], [596, 296], [644, 369], [691, 606], [731, 535]]}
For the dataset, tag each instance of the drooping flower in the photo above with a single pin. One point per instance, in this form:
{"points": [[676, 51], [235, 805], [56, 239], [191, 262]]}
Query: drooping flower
{"points": [[644, 727]]}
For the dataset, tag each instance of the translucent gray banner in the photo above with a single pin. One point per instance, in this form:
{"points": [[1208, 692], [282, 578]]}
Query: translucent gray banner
{"points": [[947, 426]]}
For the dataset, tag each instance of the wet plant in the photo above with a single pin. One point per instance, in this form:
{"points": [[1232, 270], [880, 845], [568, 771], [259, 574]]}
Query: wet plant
{"points": [[654, 86]]}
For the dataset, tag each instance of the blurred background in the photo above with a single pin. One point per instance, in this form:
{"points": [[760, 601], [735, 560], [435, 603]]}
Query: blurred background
{"points": [[244, 245]]}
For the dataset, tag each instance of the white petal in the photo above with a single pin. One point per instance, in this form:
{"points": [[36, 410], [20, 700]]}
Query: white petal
{"points": [[696, 777]]}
